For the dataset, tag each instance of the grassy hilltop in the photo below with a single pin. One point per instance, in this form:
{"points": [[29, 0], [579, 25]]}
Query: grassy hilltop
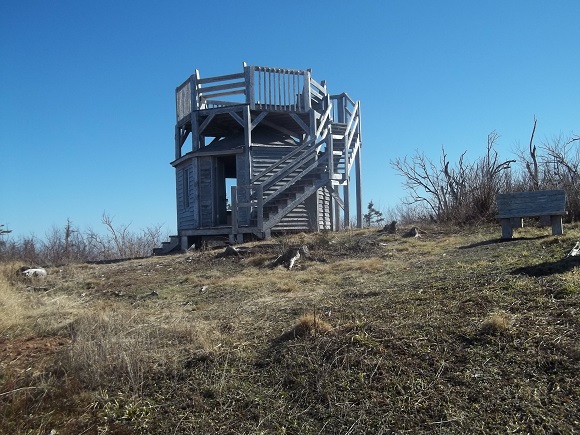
{"points": [[451, 332]]}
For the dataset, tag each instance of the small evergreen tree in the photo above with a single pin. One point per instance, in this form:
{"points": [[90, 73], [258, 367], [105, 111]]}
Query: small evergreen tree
{"points": [[373, 216]]}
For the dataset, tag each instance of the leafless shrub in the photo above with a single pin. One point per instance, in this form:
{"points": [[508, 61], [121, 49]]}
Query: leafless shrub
{"points": [[120, 242], [71, 245], [458, 193], [554, 164]]}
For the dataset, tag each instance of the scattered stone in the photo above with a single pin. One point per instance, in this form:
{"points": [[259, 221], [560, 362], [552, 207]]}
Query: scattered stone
{"points": [[413, 232], [230, 251], [290, 257], [390, 228], [575, 252], [38, 272]]}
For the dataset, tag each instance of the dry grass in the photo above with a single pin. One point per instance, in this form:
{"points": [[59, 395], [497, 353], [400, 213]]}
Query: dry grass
{"points": [[453, 332], [496, 323], [29, 307], [308, 325]]}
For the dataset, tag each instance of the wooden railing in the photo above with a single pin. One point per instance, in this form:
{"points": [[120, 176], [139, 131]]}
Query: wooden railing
{"points": [[347, 112], [262, 88], [183, 100], [278, 89]]}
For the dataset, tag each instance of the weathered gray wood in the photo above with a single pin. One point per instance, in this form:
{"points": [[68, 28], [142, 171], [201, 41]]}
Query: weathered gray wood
{"points": [[358, 175], [346, 195], [234, 196], [258, 119], [222, 78], [243, 166], [277, 164], [557, 227], [221, 94], [506, 228], [513, 207], [228, 86], [530, 204], [238, 119], [285, 184], [205, 123], [301, 123]]}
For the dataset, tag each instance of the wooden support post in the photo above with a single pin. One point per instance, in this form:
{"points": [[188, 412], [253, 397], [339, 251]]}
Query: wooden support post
{"points": [[194, 108], [260, 208], [306, 90], [506, 229], [178, 142], [358, 175], [249, 79], [330, 153], [244, 168], [341, 109], [346, 204], [183, 243], [234, 195], [336, 225], [557, 227]]}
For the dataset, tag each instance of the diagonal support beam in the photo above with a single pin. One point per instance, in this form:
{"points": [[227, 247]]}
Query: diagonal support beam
{"points": [[205, 123], [237, 118], [281, 129], [300, 123], [336, 197], [258, 119]]}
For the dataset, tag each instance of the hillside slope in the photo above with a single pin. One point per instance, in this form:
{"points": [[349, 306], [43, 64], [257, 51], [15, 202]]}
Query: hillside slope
{"points": [[452, 332]]}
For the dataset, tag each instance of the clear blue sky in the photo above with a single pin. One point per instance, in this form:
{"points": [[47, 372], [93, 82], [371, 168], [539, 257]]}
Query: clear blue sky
{"points": [[87, 106]]}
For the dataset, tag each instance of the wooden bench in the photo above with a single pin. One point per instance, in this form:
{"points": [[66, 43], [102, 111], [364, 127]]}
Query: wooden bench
{"points": [[548, 205]]}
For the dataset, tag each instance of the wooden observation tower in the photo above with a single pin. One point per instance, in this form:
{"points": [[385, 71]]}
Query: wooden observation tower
{"points": [[270, 149]]}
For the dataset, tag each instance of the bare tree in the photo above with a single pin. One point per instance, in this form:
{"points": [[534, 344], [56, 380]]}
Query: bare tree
{"points": [[554, 164], [455, 192]]}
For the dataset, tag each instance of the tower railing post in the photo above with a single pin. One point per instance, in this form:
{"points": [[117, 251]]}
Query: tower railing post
{"points": [[306, 95], [249, 79]]}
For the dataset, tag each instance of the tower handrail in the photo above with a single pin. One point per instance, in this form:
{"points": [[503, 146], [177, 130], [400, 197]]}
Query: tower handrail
{"points": [[291, 167], [311, 165], [278, 88], [347, 113], [262, 88], [321, 133]]}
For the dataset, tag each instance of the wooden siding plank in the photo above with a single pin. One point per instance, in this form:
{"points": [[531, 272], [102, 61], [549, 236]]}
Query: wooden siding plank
{"points": [[221, 78], [221, 94], [529, 204], [227, 86]]}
